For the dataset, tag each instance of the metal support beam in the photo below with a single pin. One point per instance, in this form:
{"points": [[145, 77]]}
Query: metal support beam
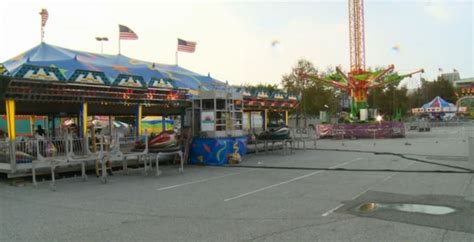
{"points": [[266, 119], [32, 124], [83, 120], [10, 115], [111, 125], [286, 118], [163, 122], [249, 125], [139, 120], [182, 117]]}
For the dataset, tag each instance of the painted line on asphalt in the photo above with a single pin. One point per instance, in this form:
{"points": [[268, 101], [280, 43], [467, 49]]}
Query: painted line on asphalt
{"points": [[366, 190], [202, 180], [331, 210], [287, 181]]}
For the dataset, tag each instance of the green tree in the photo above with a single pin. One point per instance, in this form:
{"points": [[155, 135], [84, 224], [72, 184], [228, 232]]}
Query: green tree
{"points": [[315, 96], [390, 100], [431, 89]]}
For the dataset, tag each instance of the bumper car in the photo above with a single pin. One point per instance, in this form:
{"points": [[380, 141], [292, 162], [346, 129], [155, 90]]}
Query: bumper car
{"points": [[275, 133], [163, 141]]}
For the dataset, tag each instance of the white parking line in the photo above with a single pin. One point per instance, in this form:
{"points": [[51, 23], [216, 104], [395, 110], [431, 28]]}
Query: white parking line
{"points": [[331, 210], [202, 180], [366, 190], [288, 181]]}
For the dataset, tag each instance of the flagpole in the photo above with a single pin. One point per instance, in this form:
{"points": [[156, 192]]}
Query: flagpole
{"points": [[42, 27], [119, 42], [176, 57]]}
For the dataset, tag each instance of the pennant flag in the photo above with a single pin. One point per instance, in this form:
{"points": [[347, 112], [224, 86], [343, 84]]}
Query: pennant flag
{"points": [[44, 16], [126, 33], [186, 46]]}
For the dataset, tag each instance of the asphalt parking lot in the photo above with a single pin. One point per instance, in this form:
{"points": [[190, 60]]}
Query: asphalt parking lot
{"points": [[261, 202]]}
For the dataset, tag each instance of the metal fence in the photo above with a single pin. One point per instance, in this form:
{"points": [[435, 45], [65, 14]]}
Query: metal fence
{"points": [[450, 123], [303, 135]]}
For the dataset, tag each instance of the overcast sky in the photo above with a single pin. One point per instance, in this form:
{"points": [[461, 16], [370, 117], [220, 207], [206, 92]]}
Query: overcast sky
{"points": [[234, 37]]}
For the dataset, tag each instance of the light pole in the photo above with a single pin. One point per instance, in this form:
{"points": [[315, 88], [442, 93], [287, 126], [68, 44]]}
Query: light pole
{"points": [[101, 40]]}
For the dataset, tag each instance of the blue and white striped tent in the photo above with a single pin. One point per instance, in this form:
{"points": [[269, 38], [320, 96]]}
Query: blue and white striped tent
{"points": [[53, 63]]}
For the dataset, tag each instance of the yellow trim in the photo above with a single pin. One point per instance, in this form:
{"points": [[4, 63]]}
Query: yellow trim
{"points": [[139, 120], [286, 118], [10, 113], [32, 123], [84, 119]]}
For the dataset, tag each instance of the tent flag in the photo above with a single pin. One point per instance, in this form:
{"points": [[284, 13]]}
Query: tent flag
{"points": [[126, 33], [44, 18], [186, 46]]}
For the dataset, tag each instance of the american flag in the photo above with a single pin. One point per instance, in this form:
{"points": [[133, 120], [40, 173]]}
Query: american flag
{"points": [[186, 46], [127, 33], [44, 16]]}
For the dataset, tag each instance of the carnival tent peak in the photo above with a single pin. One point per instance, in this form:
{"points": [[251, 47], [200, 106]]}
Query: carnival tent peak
{"points": [[438, 102]]}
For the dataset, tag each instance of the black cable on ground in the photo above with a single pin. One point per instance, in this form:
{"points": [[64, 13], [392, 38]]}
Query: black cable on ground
{"points": [[401, 156], [349, 169]]}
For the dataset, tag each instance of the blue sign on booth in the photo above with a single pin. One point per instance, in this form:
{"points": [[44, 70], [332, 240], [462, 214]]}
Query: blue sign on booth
{"points": [[215, 151]]}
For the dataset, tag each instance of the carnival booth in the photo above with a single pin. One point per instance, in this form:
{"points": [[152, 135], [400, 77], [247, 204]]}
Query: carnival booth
{"points": [[229, 117], [58, 84], [219, 135]]}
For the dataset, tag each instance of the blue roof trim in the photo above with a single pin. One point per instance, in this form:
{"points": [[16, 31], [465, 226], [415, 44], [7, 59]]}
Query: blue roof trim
{"points": [[124, 80], [40, 73], [161, 83], [3, 70], [89, 77]]}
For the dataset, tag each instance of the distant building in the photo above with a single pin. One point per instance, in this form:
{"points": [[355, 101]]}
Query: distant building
{"points": [[455, 78], [452, 77], [465, 82]]}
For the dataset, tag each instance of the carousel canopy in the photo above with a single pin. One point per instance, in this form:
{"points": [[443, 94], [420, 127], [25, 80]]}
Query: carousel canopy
{"points": [[53, 63], [438, 102], [438, 105]]}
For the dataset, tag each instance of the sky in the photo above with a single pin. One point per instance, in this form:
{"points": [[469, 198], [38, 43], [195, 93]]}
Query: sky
{"points": [[234, 38]]}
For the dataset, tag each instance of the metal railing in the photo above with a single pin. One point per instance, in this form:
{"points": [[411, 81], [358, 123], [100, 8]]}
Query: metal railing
{"points": [[302, 135], [68, 150]]}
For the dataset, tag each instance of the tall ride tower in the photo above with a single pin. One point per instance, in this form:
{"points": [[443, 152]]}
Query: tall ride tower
{"points": [[358, 80], [357, 35]]}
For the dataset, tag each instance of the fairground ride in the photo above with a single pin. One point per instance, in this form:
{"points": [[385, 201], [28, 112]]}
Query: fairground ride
{"points": [[359, 80]]}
